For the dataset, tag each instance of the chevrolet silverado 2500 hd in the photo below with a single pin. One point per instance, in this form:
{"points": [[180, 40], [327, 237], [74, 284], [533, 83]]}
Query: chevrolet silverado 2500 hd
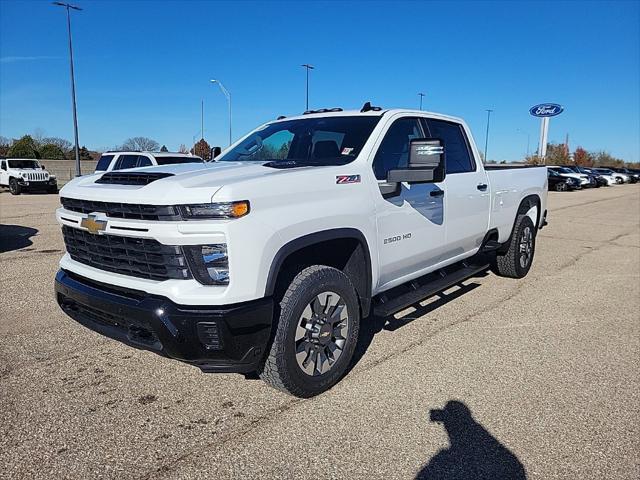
{"points": [[269, 259]]}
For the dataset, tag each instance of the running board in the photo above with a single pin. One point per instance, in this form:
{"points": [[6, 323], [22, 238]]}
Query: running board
{"points": [[424, 287]]}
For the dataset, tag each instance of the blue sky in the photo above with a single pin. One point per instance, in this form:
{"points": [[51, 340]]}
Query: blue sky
{"points": [[143, 67]]}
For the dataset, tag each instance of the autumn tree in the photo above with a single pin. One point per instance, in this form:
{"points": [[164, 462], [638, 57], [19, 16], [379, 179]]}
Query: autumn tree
{"points": [[557, 155], [142, 144], [582, 157], [202, 149], [5, 145]]}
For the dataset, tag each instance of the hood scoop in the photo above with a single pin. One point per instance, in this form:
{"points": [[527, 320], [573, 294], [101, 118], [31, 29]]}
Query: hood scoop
{"points": [[132, 178]]}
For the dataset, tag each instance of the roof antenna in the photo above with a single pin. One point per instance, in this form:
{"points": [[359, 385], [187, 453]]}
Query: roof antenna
{"points": [[367, 107]]}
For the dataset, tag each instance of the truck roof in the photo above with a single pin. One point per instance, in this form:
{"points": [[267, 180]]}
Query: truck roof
{"points": [[371, 113], [155, 154]]}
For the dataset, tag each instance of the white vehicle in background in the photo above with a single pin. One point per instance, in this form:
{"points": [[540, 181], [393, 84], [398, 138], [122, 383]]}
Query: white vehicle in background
{"points": [[270, 258], [608, 175], [26, 174], [110, 161], [566, 172]]}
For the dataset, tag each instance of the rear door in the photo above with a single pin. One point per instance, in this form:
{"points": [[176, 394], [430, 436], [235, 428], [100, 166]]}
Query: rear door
{"points": [[467, 197]]}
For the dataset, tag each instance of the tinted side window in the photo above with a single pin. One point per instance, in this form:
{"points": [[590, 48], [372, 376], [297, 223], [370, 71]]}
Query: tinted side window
{"points": [[455, 144], [144, 161], [126, 161], [3, 165], [394, 149], [103, 163]]}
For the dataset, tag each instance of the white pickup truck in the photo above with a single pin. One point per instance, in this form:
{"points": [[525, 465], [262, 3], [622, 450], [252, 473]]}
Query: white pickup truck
{"points": [[268, 260]]}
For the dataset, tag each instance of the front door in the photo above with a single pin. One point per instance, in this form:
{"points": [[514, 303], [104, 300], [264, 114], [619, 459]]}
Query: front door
{"points": [[410, 224]]}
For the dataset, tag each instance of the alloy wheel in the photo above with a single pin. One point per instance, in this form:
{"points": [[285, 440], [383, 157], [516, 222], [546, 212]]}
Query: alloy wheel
{"points": [[321, 333], [526, 246]]}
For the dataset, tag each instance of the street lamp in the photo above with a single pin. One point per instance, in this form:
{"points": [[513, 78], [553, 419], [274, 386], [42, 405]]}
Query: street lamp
{"points": [[307, 67], [226, 94], [73, 83], [421, 95], [486, 138]]}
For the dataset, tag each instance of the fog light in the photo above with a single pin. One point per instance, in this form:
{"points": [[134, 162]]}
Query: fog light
{"points": [[209, 263]]}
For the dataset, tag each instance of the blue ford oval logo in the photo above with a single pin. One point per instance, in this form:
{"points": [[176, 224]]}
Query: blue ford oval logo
{"points": [[546, 110]]}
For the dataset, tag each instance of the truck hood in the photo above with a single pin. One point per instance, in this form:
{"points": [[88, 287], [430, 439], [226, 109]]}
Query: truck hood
{"points": [[188, 183]]}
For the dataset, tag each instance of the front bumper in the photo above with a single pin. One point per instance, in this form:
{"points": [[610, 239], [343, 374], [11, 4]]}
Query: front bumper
{"points": [[37, 184], [221, 338]]}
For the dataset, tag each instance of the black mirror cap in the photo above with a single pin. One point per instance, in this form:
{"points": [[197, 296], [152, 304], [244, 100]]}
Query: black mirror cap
{"points": [[215, 151]]}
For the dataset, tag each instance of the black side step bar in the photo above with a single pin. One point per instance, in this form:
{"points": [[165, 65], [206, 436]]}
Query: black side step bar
{"points": [[424, 287]]}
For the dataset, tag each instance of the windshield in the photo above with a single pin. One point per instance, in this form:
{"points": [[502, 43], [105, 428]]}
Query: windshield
{"points": [[307, 141], [172, 160], [23, 164], [565, 170]]}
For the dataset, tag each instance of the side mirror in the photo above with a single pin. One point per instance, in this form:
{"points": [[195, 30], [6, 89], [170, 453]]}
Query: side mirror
{"points": [[215, 151], [426, 165], [42, 167]]}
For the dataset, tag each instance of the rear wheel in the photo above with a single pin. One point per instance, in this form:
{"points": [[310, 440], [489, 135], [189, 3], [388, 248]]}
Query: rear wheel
{"points": [[316, 333], [561, 187], [516, 261], [14, 188]]}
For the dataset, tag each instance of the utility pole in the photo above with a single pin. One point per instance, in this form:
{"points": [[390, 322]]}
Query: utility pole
{"points": [[226, 93], [73, 84], [421, 95], [486, 138], [307, 67]]}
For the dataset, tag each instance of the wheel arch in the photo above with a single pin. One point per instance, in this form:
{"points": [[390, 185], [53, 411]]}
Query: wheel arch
{"points": [[343, 248], [526, 205]]}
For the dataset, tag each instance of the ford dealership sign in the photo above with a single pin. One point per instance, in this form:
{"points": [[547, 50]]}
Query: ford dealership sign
{"points": [[546, 110]]}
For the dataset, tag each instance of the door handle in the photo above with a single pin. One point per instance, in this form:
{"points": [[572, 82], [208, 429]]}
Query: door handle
{"points": [[482, 187], [436, 193]]}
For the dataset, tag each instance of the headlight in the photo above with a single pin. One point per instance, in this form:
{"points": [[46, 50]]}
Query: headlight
{"points": [[215, 210], [52, 177], [209, 263]]}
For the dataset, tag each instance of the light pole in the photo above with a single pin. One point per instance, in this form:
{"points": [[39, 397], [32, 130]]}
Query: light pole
{"points": [[421, 95], [307, 67], [73, 82], [486, 138], [226, 94]]}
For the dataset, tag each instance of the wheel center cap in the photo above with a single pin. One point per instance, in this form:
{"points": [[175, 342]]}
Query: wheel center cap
{"points": [[322, 333]]}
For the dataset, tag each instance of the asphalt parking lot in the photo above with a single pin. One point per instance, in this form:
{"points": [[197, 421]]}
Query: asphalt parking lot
{"points": [[540, 376]]}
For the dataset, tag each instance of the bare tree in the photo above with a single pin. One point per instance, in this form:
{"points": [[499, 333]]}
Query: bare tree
{"points": [[38, 136], [64, 145], [143, 144], [183, 148]]}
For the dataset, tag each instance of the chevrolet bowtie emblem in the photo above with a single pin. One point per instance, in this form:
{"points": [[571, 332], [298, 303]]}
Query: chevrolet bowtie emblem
{"points": [[93, 225]]}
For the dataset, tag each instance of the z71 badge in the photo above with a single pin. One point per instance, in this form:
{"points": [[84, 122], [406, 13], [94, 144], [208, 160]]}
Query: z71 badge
{"points": [[347, 178]]}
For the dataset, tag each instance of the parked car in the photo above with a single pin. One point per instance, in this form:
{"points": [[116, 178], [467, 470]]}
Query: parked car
{"points": [[25, 175], [566, 172], [268, 259], [593, 177], [110, 161], [561, 183], [612, 177], [627, 175]]}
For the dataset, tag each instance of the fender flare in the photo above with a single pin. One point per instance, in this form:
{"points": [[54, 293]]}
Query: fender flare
{"points": [[363, 287]]}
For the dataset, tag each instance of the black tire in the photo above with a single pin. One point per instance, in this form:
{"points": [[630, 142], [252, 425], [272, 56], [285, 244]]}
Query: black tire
{"points": [[14, 188], [511, 263], [52, 189], [281, 368]]}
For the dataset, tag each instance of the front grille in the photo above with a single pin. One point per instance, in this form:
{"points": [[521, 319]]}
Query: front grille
{"points": [[37, 176], [136, 257], [132, 178], [122, 210]]}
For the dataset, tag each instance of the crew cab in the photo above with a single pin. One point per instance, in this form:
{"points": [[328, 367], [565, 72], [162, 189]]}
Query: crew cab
{"points": [[269, 259], [26, 174], [110, 161]]}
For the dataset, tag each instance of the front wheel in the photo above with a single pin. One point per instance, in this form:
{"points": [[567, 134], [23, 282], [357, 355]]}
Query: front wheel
{"points": [[316, 333], [561, 187], [516, 261], [14, 188]]}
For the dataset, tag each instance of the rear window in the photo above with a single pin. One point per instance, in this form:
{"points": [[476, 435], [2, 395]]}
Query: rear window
{"points": [[103, 163], [172, 160]]}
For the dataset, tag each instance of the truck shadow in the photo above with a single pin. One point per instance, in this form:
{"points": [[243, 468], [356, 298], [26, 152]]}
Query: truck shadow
{"points": [[473, 453], [373, 325], [15, 237]]}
